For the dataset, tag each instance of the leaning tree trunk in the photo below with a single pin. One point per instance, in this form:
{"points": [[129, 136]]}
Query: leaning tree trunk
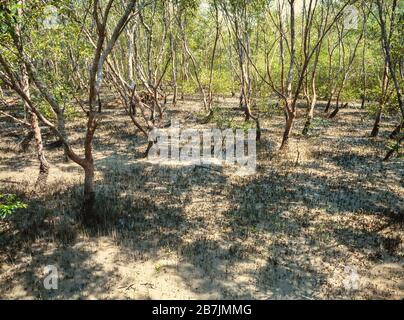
{"points": [[35, 133], [43, 163], [288, 128], [382, 101], [327, 107], [337, 106], [336, 110], [394, 149], [312, 103], [376, 126], [396, 130], [386, 43]]}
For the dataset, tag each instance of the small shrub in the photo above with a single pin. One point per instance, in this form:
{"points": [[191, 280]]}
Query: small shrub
{"points": [[8, 204]]}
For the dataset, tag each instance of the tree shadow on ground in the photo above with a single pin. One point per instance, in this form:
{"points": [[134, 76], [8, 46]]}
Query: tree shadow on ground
{"points": [[77, 275], [144, 206], [281, 206]]}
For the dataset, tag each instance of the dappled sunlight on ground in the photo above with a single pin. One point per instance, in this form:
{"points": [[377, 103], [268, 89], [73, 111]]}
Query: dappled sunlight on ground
{"points": [[294, 229]]}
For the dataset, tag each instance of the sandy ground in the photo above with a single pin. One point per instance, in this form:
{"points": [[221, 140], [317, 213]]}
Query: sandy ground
{"points": [[323, 220]]}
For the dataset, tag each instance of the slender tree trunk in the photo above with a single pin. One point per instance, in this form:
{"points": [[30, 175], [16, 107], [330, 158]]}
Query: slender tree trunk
{"points": [[171, 13], [212, 60], [364, 75], [244, 98], [88, 215], [43, 163], [376, 126], [174, 69], [386, 43], [288, 129], [130, 33], [337, 107], [310, 114], [334, 82], [347, 70], [386, 48], [327, 107], [62, 129], [193, 60], [382, 101], [290, 104], [35, 133]]}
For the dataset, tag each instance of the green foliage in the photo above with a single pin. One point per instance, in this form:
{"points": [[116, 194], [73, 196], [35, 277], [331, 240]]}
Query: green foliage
{"points": [[8, 15], [64, 96], [188, 87], [8, 204], [62, 55], [157, 267]]}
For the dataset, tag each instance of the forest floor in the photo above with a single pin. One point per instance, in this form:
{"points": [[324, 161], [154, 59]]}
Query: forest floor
{"points": [[323, 220]]}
